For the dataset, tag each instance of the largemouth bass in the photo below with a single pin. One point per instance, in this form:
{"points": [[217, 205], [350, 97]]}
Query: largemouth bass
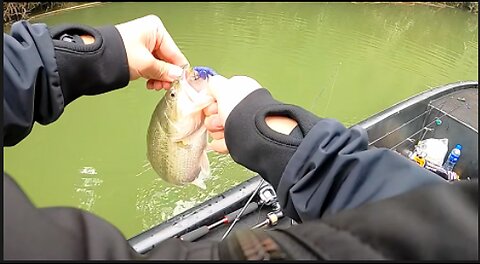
{"points": [[177, 137]]}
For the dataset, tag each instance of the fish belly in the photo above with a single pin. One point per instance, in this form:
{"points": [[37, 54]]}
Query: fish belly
{"points": [[175, 162]]}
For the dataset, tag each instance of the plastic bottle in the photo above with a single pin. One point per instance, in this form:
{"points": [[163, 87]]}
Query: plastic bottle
{"points": [[453, 158]]}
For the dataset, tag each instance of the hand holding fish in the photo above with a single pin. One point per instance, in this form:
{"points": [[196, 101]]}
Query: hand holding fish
{"points": [[228, 94], [151, 52]]}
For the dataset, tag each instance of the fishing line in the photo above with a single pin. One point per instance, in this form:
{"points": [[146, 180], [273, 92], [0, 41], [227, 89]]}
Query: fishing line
{"points": [[147, 169], [431, 106], [260, 212], [404, 124], [243, 209], [426, 127], [331, 89], [398, 128], [323, 90]]}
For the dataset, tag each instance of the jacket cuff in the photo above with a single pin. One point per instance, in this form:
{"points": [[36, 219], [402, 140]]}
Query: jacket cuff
{"points": [[89, 69], [256, 146]]}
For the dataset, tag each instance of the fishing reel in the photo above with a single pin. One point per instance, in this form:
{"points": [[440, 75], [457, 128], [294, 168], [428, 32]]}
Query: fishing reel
{"points": [[268, 197]]}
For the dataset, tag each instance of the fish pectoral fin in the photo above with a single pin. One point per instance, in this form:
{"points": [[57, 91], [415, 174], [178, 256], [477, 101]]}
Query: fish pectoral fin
{"points": [[204, 165], [199, 183], [204, 172]]}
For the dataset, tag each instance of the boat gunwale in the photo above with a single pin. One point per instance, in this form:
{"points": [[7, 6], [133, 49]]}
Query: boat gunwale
{"points": [[431, 94], [148, 239]]}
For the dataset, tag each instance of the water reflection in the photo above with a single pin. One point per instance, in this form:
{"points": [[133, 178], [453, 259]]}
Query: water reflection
{"points": [[87, 187], [159, 200]]}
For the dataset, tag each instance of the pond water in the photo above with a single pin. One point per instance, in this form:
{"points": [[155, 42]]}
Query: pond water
{"points": [[340, 60]]}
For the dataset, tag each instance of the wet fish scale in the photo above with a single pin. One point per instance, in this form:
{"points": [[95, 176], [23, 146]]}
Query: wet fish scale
{"points": [[177, 138]]}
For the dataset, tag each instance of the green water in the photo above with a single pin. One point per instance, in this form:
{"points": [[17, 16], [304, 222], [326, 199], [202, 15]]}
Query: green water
{"points": [[346, 61]]}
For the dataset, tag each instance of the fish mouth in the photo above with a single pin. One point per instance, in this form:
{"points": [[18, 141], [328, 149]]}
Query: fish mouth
{"points": [[185, 71]]}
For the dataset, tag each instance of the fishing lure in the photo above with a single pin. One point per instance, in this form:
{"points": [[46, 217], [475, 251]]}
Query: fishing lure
{"points": [[204, 72]]}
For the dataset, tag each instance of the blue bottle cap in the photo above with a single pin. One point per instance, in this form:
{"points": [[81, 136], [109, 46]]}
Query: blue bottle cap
{"points": [[458, 146]]}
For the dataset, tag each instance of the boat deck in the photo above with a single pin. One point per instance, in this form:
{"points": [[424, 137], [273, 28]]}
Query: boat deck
{"points": [[462, 105], [459, 114], [442, 114]]}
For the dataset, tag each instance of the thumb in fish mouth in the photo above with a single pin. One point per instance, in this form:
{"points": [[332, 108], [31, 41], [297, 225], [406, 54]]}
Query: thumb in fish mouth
{"points": [[216, 84], [229, 92]]}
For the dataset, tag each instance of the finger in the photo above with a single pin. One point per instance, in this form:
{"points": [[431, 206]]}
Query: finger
{"points": [[163, 84], [157, 85], [218, 146], [168, 50], [150, 84], [218, 135], [211, 109], [213, 123], [166, 85], [216, 84], [160, 70], [215, 130]]}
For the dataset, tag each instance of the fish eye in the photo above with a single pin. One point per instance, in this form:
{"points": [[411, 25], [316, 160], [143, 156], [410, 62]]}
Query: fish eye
{"points": [[172, 94]]}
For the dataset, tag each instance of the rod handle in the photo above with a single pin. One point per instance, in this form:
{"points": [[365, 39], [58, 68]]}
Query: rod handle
{"points": [[195, 234], [250, 208]]}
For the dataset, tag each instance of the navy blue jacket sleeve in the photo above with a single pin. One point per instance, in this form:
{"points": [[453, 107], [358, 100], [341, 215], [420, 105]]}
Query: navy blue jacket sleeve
{"points": [[44, 71], [324, 167], [31, 82]]}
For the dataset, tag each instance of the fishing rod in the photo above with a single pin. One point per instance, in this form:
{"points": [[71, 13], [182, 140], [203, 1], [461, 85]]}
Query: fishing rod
{"points": [[243, 209], [204, 213], [203, 230], [272, 220], [267, 196]]}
